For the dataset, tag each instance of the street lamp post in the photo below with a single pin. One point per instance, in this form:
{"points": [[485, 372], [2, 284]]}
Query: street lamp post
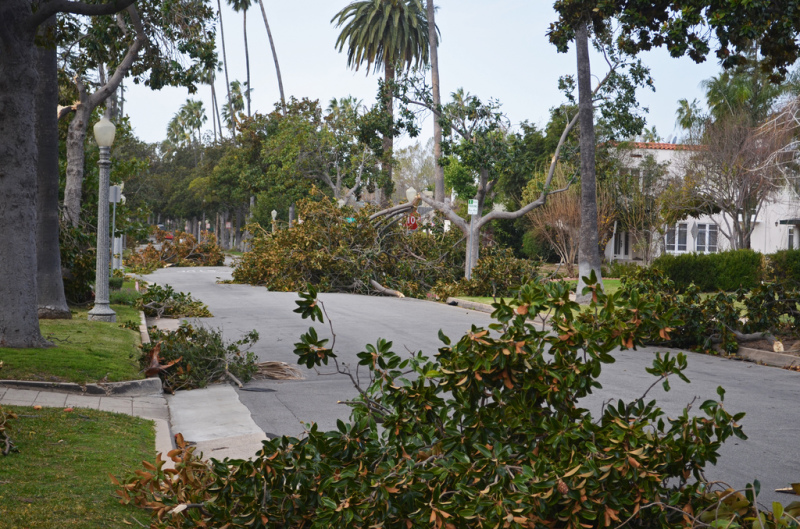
{"points": [[104, 132]]}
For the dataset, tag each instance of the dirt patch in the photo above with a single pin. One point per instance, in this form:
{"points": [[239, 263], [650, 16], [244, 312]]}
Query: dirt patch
{"points": [[791, 346]]}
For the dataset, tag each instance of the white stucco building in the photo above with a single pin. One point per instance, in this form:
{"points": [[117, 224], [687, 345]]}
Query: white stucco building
{"points": [[776, 226]]}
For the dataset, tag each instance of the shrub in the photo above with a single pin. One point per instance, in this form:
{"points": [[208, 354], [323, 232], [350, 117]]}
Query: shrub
{"points": [[497, 274], [737, 269], [488, 433], [160, 301], [725, 271], [115, 283], [784, 265], [199, 356], [182, 250], [78, 262], [124, 296], [618, 269]]}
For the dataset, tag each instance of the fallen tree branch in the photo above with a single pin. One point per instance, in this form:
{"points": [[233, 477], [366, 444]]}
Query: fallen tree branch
{"points": [[385, 291]]}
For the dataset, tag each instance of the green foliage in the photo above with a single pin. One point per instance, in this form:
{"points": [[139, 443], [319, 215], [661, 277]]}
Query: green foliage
{"points": [[381, 33], [725, 271], [497, 274], [198, 356], [161, 301], [618, 269], [124, 296], [78, 251], [337, 255], [784, 265], [706, 320], [487, 433]]}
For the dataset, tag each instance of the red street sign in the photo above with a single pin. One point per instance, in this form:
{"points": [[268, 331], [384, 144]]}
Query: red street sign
{"points": [[411, 222]]}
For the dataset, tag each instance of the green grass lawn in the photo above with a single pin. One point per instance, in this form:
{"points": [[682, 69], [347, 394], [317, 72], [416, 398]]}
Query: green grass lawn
{"points": [[85, 351], [610, 285], [60, 476]]}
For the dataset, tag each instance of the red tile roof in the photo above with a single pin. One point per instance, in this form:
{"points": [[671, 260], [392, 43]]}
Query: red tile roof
{"points": [[664, 146]]}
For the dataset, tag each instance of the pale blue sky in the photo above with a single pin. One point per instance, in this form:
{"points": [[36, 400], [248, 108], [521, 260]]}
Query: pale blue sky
{"points": [[496, 49]]}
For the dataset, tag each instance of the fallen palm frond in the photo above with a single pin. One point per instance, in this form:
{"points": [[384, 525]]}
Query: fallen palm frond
{"points": [[278, 371]]}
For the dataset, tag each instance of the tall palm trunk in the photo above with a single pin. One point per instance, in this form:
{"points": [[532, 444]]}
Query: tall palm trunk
{"points": [[274, 56], [438, 180], [246, 60], [49, 282], [588, 252], [225, 64]]}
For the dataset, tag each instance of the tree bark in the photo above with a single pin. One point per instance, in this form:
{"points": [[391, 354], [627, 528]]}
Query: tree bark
{"points": [[50, 284], [438, 193], [588, 253], [80, 122], [274, 56], [19, 321], [76, 136]]}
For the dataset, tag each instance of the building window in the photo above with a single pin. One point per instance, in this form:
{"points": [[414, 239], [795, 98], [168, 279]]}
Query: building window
{"points": [[706, 238], [791, 237], [676, 238]]}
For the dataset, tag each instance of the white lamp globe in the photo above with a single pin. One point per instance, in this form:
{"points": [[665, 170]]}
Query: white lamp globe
{"points": [[411, 193], [104, 132]]}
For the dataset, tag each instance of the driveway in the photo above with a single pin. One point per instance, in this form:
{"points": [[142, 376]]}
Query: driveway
{"points": [[768, 395]]}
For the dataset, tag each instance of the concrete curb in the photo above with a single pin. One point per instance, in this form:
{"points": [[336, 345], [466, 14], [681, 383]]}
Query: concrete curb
{"points": [[767, 357], [144, 334], [127, 388], [472, 305]]}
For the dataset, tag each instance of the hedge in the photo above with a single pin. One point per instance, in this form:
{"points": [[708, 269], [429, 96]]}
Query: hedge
{"points": [[726, 271], [785, 265]]}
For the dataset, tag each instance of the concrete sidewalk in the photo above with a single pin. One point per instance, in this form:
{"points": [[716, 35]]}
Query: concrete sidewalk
{"points": [[212, 418], [153, 407], [216, 421]]}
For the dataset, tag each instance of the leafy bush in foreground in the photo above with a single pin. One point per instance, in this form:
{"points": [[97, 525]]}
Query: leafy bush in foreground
{"points": [[488, 433]]}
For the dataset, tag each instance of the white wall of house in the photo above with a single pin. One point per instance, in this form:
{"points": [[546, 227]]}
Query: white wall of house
{"points": [[695, 234]]}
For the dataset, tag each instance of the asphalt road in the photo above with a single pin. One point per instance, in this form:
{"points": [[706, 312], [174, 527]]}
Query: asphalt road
{"points": [[768, 395]]}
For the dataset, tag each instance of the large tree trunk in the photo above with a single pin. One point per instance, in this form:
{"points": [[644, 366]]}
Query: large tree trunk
{"points": [[19, 321], [274, 56], [76, 136], [588, 254], [438, 193], [51, 299], [246, 60]]}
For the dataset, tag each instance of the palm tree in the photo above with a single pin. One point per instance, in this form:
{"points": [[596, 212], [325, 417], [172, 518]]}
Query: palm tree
{"points": [[387, 33], [235, 106], [224, 55], [433, 43], [243, 6], [274, 56], [193, 116]]}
